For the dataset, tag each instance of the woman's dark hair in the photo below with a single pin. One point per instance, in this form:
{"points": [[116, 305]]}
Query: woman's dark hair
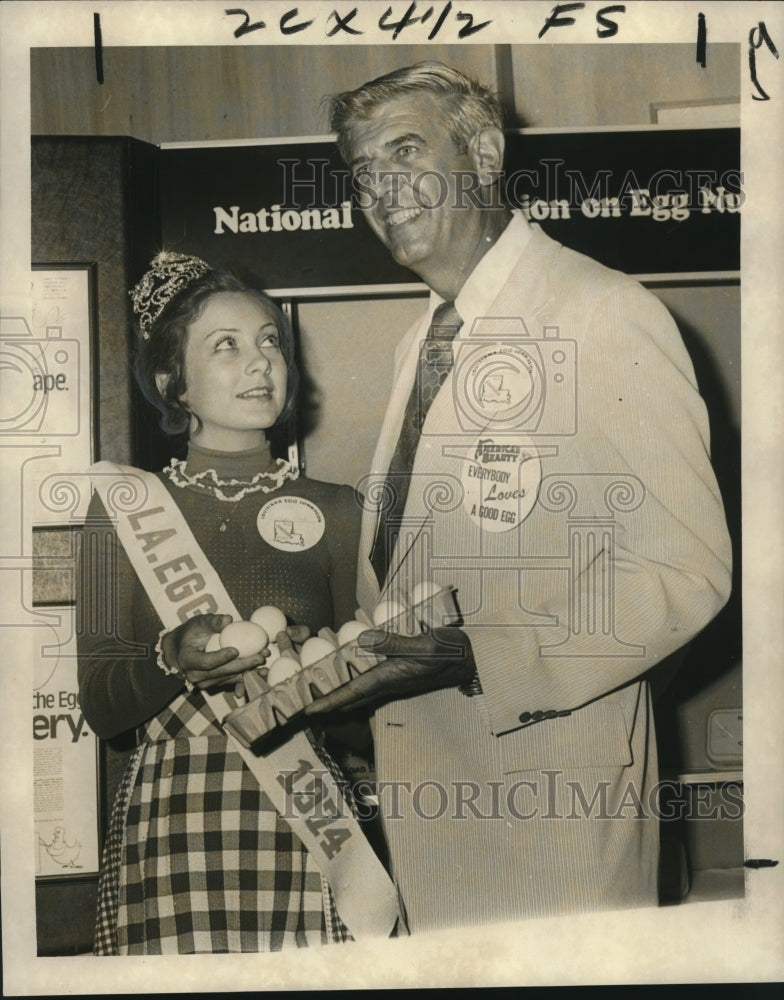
{"points": [[164, 350]]}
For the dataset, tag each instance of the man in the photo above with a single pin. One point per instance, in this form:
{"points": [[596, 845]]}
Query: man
{"points": [[562, 484]]}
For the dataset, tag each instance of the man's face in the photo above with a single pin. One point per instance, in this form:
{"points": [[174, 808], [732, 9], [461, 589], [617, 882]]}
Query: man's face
{"points": [[409, 172]]}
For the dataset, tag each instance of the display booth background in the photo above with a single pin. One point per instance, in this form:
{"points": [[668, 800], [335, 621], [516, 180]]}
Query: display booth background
{"points": [[82, 187]]}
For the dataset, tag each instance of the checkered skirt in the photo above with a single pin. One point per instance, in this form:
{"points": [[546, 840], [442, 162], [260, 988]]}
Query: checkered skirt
{"points": [[197, 859]]}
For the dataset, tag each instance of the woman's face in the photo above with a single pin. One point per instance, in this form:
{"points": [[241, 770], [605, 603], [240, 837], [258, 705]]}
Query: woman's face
{"points": [[235, 372]]}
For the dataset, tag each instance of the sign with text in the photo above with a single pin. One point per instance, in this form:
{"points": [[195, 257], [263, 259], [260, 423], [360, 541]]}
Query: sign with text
{"points": [[65, 761], [285, 214]]}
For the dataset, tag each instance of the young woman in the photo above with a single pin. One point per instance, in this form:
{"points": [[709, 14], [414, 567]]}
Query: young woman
{"points": [[197, 859]]}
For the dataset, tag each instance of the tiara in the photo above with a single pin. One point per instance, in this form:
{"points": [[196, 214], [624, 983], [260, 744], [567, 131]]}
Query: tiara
{"points": [[169, 273]]}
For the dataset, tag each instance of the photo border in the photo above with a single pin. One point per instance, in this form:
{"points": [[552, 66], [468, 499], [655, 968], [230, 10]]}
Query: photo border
{"points": [[737, 942]]}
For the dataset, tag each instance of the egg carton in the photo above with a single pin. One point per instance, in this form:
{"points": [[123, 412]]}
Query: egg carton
{"points": [[271, 712]]}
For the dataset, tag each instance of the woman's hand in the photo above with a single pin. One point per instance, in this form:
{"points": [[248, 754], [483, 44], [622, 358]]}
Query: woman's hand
{"points": [[183, 651]]}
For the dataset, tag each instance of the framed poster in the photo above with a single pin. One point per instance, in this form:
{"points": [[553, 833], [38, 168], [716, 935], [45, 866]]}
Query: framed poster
{"points": [[53, 386], [48, 411], [47, 418], [65, 759]]}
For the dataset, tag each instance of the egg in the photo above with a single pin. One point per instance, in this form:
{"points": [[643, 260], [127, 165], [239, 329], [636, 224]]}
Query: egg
{"points": [[386, 611], [315, 649], [349, 631], [271, 619], [246, 637], [434, 605], [213, 643], [423, 590], [284, 667]]}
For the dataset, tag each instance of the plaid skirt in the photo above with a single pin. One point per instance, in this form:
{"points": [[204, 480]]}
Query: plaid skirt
{"points": [[197, 859]]}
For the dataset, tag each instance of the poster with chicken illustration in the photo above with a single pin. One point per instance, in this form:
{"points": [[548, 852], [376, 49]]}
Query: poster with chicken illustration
{"points": [[65, 776]]}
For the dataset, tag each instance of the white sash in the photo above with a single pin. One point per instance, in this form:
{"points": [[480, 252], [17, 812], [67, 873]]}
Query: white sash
{"points": [[181, 582]]}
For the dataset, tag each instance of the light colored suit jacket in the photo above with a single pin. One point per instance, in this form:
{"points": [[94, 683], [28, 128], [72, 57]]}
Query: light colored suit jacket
{"points": [[537, 796]]}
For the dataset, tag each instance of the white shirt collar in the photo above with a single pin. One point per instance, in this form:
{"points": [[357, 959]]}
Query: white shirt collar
{"points": [[490, 274]]}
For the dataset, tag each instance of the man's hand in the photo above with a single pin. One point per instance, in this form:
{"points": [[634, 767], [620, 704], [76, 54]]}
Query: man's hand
{"points": [[413, 665], [183, 650], [293, 636]]}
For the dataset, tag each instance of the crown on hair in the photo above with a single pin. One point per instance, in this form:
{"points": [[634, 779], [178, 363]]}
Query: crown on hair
{"points": [[168, 275]]}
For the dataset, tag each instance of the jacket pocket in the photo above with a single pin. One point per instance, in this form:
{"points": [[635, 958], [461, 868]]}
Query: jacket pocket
{"points": [[597, 735]]}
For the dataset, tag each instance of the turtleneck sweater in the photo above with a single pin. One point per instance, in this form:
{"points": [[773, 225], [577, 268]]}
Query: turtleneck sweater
{"points": [[240, 465]]}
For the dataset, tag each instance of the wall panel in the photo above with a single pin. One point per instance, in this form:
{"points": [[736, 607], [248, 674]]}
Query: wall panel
{"points": [[179, 94], [558, 86]]}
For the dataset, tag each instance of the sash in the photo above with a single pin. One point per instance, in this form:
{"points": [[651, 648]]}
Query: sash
{"points": [[181, 583]]}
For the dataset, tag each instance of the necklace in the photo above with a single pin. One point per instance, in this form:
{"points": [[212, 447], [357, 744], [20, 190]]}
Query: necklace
{"points": [[229, 490], [224, 522]]}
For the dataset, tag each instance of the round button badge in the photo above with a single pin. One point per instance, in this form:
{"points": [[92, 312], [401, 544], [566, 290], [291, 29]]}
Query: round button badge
{"points": [[501, 482], [291, 524]]}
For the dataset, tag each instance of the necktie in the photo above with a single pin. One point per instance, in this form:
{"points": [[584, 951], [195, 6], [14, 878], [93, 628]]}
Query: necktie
{"points": [[435, 363]]}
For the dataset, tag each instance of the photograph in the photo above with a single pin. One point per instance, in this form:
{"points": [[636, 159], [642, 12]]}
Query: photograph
{"points": [[393, 483]]}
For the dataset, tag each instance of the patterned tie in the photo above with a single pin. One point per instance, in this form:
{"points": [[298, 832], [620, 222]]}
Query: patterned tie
{"points": [[435, 363]]}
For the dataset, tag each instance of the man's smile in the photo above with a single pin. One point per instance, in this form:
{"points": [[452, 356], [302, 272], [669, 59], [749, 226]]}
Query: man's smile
{"points": [[402, 215]]}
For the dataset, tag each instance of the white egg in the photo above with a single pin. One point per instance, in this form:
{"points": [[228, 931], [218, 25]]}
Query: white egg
{"points": [[284, 667], [213, 643], [386, 611], [423, 590], [314, 649], [271, 619], [349, 631], [245, 637]]}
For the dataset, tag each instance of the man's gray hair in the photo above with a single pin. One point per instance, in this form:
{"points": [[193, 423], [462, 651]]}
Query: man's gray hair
{"points": [[469, 106]]}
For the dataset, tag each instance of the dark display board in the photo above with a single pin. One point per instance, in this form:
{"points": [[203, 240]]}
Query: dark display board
{"points": [[648, 201]]}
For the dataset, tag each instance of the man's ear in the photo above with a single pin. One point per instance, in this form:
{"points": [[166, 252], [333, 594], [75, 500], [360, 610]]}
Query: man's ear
{"points": [[487, 149], [161, 382]]}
